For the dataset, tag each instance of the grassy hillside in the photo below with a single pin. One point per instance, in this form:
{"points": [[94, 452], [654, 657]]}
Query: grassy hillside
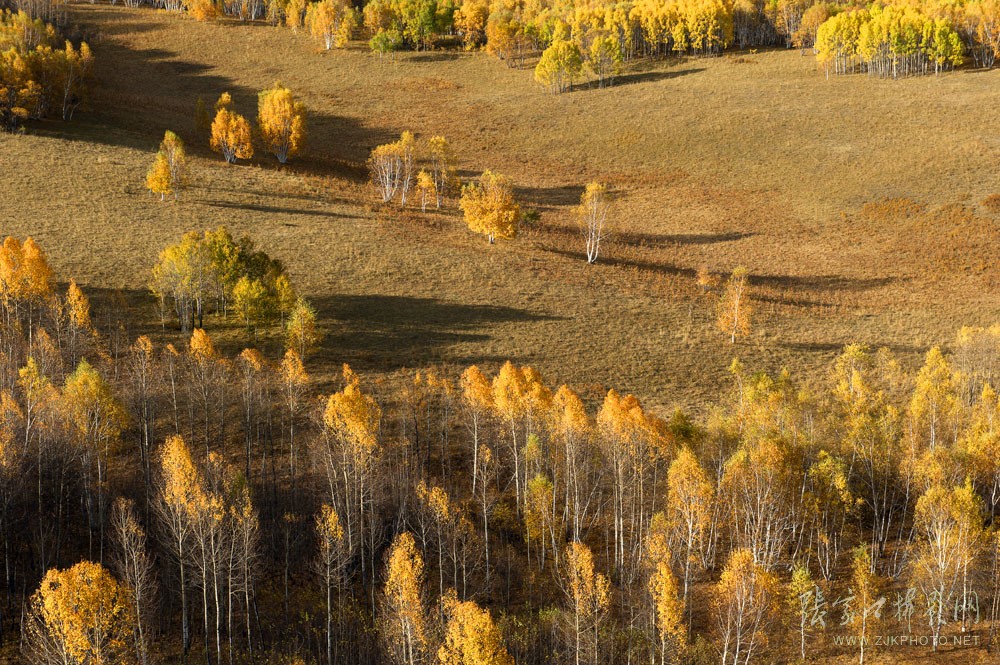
{"points": [[854, 203]]}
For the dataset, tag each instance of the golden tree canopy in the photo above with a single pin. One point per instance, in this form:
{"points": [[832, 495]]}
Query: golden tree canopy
{"points": [[490, 208], [281, 121], [86, 615], [471, 637], [231, 135]]}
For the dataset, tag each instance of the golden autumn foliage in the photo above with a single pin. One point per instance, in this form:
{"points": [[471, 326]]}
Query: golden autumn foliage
{"points": [[301, 332], [281, 121], [230, 134], [426, 188], [734, 311], [204, 10], [689, 511], [25, 274], [490, 208], [331, 21], [251, 302], [950, 539], [561, 63], [592, 216], [93, 406], [330, 562], [405, 617], [934, 404], [865, 614], [391, 167], [589, 595], [182, 484], [81, 616], [158, 179], [354, 417], [330, 533], [744, 604], [205, 268], [442, 171], [668, 606], [471, 637], [168, 173], [40, 73]]}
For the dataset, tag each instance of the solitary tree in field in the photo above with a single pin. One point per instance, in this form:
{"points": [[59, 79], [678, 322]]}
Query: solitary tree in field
{"points": [[391, 166], [158, 179], [230, 133], [81, 615], [172, 148], [734, 308], [281, 121], [331, 21], [490, 208], [593, 218], [405, 621], [168, 174]]}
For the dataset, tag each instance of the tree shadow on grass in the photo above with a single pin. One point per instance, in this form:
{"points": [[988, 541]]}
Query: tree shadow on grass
{"points": [[634, 78], [608, 259], [653, 77], [383, 333], [138, 93], [838, 347], [548, 198], [657, 240], [276, 210], [434, 56], [821, 282]]}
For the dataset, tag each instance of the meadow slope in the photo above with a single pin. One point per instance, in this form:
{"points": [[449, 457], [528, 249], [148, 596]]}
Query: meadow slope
{"points": [[855, 203]]}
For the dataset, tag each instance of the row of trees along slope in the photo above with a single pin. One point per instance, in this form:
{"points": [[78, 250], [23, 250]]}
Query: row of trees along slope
{"points": [[599, 37], [168, 498]]}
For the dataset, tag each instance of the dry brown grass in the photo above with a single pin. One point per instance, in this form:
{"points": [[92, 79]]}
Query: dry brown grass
{"points": [[850, 201]]}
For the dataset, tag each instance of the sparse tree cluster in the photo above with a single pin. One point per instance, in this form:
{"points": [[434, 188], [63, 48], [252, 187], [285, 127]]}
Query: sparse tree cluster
{"points": [[281, 126], [41, 74], [165, 499], [212, 271]]}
